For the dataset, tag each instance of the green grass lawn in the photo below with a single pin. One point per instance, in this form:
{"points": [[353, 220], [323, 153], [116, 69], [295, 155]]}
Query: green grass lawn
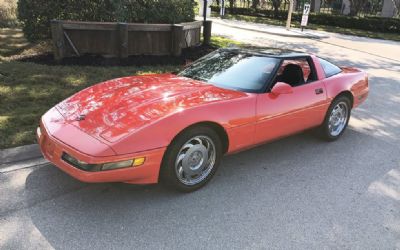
{"points": [[27, 90], [346, 31]]}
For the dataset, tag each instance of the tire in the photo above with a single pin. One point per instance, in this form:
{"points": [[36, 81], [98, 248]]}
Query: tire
{"points": [[327, 130], [192, 159]]}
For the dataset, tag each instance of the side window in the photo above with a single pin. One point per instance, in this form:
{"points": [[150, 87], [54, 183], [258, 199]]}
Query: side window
{"points": [[296, 72], [329, 68]]}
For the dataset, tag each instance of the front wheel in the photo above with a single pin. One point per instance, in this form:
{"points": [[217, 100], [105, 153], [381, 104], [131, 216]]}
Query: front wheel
{"points": [[336, 119], [192, 159]]}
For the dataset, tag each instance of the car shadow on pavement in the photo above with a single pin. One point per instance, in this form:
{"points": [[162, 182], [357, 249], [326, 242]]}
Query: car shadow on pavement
{"points": [[297, 192]]}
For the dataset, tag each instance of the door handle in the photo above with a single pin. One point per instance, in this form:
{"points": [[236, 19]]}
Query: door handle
{"points": [[319, 91]]}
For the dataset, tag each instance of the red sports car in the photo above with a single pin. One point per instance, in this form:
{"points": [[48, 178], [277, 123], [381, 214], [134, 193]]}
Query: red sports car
{"points": [[176, 127]]}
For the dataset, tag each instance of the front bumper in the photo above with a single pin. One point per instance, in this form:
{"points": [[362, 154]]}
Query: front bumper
{"points": [[53, 149]]}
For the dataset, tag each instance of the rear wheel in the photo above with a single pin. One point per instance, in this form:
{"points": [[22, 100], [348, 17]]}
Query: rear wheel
{"points": [[336, 119], [192, 159]]}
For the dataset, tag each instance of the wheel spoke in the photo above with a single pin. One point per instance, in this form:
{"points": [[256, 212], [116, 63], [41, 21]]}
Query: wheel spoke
{"points": [[180, 158], [186, 146], [180, 172], [198, 140]]}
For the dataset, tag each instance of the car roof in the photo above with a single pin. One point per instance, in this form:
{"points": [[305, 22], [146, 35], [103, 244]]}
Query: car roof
{"points": [[268, 52]]}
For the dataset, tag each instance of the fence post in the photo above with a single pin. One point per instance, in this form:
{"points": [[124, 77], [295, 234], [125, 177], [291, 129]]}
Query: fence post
{"points": [[123, 40], [207, 32], [177, 37], [57, 34]]}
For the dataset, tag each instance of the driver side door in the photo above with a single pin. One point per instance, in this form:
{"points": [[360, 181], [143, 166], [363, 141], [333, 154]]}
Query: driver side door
{"points": [[281, 115]]}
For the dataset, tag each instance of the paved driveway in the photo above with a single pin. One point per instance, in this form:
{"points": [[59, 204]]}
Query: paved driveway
{"points": [[296, 193]]}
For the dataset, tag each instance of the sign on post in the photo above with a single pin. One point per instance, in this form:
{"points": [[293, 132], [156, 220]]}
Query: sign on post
{"points": [[204, 8], [304, 18]]}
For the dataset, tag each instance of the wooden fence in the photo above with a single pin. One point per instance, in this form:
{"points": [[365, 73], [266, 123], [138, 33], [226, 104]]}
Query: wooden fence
{"points": [[72, 38]]}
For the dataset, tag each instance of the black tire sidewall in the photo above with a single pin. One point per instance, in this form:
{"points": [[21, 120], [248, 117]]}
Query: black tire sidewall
{"points": [[168, 173], [325, 133]]}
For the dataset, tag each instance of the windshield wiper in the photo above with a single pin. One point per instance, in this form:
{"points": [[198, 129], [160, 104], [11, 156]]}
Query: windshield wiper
{"points": [[195, 77], [200, 78]]}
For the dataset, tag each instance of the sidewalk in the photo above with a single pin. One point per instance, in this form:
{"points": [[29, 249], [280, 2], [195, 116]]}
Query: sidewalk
{"points": [[270, 29], [21, 153]]}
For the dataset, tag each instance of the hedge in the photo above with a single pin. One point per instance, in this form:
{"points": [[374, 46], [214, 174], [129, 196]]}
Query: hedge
{"points": [[381, 24], [35, 15]]}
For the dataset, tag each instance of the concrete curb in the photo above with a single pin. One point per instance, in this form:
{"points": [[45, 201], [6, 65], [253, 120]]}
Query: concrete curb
{"points": [[298, 34], [21, 153], [14, 166]]}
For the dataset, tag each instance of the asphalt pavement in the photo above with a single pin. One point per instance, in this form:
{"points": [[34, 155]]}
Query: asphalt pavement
{"points": [[295, 193]]}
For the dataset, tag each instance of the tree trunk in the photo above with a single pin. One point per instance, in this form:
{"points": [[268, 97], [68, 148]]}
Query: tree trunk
{"points": [[231, 2], [276, 4], [312, 6], [255, 4], [356, 6]]}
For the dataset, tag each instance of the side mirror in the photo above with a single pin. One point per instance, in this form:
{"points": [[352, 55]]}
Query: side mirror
{"points": [[281, 88]]}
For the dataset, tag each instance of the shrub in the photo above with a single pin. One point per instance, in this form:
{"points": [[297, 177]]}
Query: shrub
{"points": [[35, 15], [8, 13], [389, 25]]}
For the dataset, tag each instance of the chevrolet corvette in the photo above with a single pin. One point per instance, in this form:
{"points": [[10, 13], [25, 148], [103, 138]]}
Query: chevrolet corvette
{"points": [[175, 128]]}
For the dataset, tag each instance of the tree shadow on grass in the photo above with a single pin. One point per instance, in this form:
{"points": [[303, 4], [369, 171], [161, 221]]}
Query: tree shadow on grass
{"points": [[12, 41]]}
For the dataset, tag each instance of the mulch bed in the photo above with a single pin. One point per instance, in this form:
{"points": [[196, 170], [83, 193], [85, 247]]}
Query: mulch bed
{"points": [[188, 55]]}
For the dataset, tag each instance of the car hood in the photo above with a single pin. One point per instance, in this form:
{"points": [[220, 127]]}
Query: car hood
{"points": [[114, 109]]}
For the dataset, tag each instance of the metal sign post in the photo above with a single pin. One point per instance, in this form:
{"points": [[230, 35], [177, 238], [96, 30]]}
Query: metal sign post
{"points": [[304, 18], [205, 10]]}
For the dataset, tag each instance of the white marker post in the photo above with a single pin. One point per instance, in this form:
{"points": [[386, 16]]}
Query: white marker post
{"points": [[304, 18], [222, 10], [289, 17]]}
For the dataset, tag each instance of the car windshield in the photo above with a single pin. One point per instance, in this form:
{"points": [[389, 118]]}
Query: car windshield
{"points": [[233, 70]]}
